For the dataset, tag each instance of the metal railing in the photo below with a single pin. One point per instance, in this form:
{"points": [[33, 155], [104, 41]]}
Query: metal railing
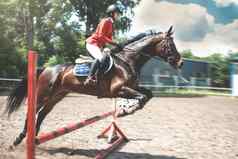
{"points": [[186, 87], [6, 84], [9, 79]]}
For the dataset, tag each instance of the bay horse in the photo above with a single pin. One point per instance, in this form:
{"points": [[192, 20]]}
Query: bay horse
{"points": [[54, 83]]}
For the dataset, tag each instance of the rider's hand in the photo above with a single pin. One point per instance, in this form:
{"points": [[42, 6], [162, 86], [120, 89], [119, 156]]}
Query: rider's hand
{"points": [[119, 46]]}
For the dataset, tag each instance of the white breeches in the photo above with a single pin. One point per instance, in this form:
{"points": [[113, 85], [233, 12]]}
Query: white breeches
{"points": [[95, 51]]}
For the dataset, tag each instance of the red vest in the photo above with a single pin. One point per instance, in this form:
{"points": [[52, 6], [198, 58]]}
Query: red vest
{"points": [[103, 33]]}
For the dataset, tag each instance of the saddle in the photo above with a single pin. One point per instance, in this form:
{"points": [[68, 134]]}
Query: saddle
{"points": [[83, 65]]}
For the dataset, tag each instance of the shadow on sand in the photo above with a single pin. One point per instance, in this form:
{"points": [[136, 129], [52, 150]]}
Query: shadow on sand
{"points": [[92, 153]]}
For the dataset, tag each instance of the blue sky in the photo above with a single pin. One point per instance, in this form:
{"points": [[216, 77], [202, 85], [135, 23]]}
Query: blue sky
{"points": [[204, 26], [223, 13]]}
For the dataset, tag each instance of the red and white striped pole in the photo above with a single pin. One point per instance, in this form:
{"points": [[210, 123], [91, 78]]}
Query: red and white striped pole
{"points": [[32, 100], [71, 127]]}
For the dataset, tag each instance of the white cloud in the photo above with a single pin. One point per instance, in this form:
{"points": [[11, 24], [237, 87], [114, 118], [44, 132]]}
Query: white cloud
{"points": [[185, 18], [225, 3], [195, 29], [222, 40]]}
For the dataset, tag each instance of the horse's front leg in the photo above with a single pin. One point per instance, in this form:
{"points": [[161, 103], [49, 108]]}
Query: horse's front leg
{"points": [[127, 92], [145, 91]]}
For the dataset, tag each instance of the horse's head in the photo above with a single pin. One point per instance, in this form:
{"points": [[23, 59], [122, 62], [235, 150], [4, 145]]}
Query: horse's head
{"points": [[163, 46], [154, 44]]}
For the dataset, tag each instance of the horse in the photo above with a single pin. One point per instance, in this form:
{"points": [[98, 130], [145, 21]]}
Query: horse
{"points": [[54, 83]]}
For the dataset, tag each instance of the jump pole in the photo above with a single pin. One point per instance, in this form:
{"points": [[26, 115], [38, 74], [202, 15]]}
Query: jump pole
{"points": [[31, 89], [71, 127]]}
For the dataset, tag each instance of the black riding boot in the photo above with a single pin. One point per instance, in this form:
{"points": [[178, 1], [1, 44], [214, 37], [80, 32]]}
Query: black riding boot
{"points": [[92, 77]]}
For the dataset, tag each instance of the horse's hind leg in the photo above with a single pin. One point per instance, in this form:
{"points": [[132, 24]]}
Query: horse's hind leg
{"points": [[46, 108], [55, 98], [22, 135], [41, 95]]}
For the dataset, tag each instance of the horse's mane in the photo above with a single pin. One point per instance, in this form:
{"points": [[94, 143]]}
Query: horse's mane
{"points": [[136, 39], [140, 36]]}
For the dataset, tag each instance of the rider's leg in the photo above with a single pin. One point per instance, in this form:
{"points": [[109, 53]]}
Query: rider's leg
{"points": [[95, 51], [98, 55], [94, 67]]}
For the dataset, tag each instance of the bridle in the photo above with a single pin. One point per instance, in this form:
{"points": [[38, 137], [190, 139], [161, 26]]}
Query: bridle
{"points": [[167, 48]]}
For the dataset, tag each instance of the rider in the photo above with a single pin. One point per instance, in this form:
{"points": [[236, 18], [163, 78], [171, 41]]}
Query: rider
{"points": [[101, 37]]}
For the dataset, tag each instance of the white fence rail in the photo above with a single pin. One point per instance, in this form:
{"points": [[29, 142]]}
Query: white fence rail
{"points": [[7, 84], [10, 80], [186, 87]]}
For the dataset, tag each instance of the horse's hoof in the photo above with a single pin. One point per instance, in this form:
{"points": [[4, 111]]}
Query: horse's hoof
{"points": [[17, 142], [19, 139], [11, 148]]}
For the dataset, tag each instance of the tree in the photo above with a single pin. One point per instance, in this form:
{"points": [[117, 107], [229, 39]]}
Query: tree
{"points": [[233, 55], [91, 11], [49, 27], [54, 33], [219, 69], [24, 15], [188, 54], [12, 63]]}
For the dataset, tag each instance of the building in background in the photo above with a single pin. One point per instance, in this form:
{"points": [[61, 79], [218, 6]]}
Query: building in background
{"points": [[161, 74]]}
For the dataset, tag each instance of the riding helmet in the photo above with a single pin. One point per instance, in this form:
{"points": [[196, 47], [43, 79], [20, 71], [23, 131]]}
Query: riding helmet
{"points": [[113, 8]]}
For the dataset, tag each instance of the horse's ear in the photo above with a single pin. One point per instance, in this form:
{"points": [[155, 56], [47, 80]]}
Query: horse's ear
{"points": [[170, 32]]}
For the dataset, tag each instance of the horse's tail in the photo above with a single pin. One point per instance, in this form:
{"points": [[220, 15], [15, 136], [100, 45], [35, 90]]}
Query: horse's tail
{"points": [[18, 94]]}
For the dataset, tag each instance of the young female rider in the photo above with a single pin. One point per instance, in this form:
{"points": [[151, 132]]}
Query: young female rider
{"points": [[101, 37]]}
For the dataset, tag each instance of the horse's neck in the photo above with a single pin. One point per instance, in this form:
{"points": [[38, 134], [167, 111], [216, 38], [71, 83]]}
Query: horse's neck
{"points": [[135, 60], [140, 61], [135, 53]]}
